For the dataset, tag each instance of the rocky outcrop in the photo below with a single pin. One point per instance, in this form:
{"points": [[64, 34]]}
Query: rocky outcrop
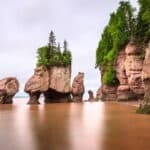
{"points": [[108, 93], [145, 106], [8, 88], [91, 96], [78, 87], [129, 73], [53, 83], [128, 67]]}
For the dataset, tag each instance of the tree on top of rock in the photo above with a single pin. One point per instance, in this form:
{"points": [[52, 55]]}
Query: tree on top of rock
{"points": [[52, 40], [118, 32], [51, 55], [143, 22]]}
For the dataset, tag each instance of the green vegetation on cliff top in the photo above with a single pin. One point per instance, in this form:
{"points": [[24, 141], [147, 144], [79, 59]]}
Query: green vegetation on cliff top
{"points": [[122, 27], [51, 55]]}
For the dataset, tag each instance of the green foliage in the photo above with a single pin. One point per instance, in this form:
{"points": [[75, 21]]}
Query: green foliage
{"points": [[143, 22], [52, 56], [116, 35], [109, 77], [43, 56], [143, 109], [66, 58]]}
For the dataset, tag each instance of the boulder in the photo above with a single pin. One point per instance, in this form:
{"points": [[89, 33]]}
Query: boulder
{"points": [[78, 87], [91, 96], [8, 88]]}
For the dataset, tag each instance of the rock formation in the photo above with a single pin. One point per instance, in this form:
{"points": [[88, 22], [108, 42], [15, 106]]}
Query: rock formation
{"points": [[128, 69], [53, 83], [8, 88], [91, 96], [78, 87], [145, 106]]}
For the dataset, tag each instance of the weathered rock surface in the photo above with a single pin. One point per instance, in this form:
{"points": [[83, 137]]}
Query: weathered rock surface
{"points": [[91, 96], [8, 88], [53, 82], [145, 107], [60, 79], [39, 82], [108, 93], [78, 87], [128, 67]]}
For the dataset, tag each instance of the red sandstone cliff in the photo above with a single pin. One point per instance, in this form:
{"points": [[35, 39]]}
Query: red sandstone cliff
{"points": [[128, 67]]}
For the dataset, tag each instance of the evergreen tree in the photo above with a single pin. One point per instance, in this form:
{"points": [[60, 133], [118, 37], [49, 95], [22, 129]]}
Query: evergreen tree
{"points": [[52, 40], [51, 55], [43, 56], [143, 22], [116, 35], [58, 48], [65, 46]]}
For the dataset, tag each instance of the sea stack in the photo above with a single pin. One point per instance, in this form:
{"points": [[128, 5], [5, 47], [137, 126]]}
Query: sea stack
{"points": [[78, 88], [52, 75], [91, 96], [8, 88]]}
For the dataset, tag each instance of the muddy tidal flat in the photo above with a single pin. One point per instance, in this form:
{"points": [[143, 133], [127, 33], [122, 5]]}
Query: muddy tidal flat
{"points": [[73, 126]]}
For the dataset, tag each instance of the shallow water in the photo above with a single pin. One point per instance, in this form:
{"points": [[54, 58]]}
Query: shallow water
{"points": [[73, 126]]}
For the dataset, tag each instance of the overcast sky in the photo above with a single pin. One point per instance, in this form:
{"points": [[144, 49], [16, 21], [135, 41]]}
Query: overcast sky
{"points": [[25, 26]]}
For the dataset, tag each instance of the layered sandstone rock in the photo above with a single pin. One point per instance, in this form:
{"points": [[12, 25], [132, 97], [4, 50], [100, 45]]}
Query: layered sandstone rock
{"points": [[128, 67], [53, 82], [145, 107], [108, 93], [133, 68], [59, 85], [78, 87], [8, 88]]}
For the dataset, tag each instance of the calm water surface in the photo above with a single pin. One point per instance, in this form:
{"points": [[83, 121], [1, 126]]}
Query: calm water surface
{"points": [[74, 126]]}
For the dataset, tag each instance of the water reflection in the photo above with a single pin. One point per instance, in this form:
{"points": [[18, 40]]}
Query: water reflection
{"points": [[74, 126], [86, 126]]}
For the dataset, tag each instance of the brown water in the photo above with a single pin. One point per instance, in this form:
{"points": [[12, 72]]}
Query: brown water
{"points": [[74, 126]]}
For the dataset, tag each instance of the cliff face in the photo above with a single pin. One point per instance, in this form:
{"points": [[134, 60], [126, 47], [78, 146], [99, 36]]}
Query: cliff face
{"points": [[53, 82], [128, 67], [145, 107]]}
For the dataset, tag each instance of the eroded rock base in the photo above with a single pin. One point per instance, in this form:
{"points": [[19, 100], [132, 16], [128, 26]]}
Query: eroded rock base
{"points": [[52, 96], [34, 98], [77, 98], [6, 99]]}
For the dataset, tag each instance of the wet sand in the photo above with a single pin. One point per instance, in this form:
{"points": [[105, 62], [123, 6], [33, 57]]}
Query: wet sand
{"points": [[74, 126]]}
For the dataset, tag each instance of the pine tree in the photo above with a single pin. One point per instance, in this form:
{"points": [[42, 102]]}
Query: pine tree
{"points": [[58, 48], [65, 46], [52, 40], [143, 22], [116, 35]]}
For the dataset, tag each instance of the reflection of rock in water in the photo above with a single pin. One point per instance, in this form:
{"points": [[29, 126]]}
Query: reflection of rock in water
{"points": [[8, 88], [53, 82], [78, 88]]}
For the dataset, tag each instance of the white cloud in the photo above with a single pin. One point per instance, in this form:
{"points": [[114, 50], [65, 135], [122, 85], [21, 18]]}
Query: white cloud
{"points": [[25, 25]]}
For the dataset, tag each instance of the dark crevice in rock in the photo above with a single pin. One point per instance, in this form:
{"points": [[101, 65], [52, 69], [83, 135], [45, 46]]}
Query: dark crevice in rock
{"points": [[52, 96]]}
